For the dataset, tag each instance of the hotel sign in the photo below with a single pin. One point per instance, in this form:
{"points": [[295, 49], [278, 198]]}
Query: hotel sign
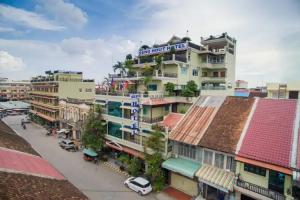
{"points": [[135, 106], [163, 49]]}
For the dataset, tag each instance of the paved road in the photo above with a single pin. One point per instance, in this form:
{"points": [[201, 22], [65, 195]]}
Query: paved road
{"points": [[96, 181]]}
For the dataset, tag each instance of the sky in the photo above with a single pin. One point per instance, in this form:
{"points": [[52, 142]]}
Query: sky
{"points": [[92, 35]]}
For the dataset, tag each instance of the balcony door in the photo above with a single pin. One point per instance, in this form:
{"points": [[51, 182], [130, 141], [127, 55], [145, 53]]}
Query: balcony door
{"points": [[276, 181]]}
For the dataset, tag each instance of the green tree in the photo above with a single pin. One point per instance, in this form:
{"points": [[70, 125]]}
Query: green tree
{"points": [[170, 87], [154, 160], [158, 60], [186, 39], [94, 131], [135, 166], [190, 89], [119, 66], [128, 57]]}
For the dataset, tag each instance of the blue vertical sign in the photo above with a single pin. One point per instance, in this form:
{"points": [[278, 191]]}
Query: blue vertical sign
{"points": [[135, 106]]}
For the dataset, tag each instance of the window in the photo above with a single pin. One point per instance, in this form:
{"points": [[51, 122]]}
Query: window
{"points": [[216, 74], [254, 169], [114, 129], [204, 74], [195, 72], [80, 89], [166, 107], [230, 163], [88, 90], [187, 151], [219, 160], [183, 70], [114, 108], [152, 87], [208, 157], [222, 73]]}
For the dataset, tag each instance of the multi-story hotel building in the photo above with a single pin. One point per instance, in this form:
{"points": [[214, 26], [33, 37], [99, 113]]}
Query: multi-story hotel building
{"points": [[290, 90], [14, 90], [211, 65], [49, 89]]}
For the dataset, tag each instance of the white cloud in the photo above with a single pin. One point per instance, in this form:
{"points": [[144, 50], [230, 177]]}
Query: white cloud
{"points": [[10, 63], [6, 29], [63, 12], [94, 57], [27, 19]]}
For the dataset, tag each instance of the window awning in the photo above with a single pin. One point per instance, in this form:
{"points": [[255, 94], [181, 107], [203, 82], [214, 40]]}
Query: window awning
{"points": [[182, 166], [216, 177], [90, 152]]}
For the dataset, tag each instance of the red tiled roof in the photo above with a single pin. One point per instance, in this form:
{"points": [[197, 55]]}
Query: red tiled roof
{"points": [[151, 102], [298, 154], [193, 125], [269, 135], [19, 162], [171, 120]]}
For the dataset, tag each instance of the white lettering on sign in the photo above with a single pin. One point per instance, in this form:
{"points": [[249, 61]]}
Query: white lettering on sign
{"points": [[157, 50], [135, 113]]}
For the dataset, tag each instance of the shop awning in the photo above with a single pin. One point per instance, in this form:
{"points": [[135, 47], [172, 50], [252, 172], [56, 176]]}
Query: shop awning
{"points": [[216, 177], [182, 166], [90, 152]]}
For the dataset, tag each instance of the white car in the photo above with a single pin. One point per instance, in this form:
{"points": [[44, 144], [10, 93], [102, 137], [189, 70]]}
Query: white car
{"points": [[139, 185]]}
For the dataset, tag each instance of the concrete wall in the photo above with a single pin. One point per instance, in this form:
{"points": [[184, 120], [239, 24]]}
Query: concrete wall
{"points": [[72, 90], [262, 181]]}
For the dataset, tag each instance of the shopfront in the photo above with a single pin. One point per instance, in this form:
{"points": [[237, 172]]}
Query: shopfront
{"points": [[215, 183], [181, 174]]}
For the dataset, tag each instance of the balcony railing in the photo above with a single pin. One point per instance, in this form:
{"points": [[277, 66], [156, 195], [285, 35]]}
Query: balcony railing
{"points": [[260, 190], [213, 88], [175, 57], [152, 120], [171, 75]]}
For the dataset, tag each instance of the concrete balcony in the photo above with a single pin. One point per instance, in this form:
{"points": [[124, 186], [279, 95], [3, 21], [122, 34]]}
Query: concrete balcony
{"points": [[174, 59], [139, 76], [259, 192], [52, 94], [214, 65], [213, 79], [46, 105]]}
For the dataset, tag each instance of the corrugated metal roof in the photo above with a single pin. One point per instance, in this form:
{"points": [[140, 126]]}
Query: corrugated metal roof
{"points": [[14, 105], [191, 128], [216, 177], [269, 135]]}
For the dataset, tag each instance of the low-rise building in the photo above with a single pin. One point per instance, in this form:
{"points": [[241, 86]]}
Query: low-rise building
{"points": [[73, 114], [11, 90], [49, 89], [187, 158], [267, 149], [217, 174], [290, 90]]}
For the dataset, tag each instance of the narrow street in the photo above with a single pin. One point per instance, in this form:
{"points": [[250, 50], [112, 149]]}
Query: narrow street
{"points": [[96, 181]]}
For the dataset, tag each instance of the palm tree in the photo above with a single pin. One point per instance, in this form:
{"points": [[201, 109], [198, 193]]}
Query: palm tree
{"points": [[120, 67]]}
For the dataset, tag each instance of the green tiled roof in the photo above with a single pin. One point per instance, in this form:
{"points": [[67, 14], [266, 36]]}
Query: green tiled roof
{"points": [[182, 166]]}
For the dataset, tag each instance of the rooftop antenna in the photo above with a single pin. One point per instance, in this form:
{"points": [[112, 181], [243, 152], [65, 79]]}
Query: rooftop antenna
{"points": [[187, 33]]}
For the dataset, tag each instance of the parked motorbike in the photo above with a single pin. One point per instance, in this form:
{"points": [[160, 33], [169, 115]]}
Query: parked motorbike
{"points": [[48, 133]]}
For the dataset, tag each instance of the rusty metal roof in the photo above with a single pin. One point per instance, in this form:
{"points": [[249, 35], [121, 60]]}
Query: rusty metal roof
{"points": [[192, 127]]}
